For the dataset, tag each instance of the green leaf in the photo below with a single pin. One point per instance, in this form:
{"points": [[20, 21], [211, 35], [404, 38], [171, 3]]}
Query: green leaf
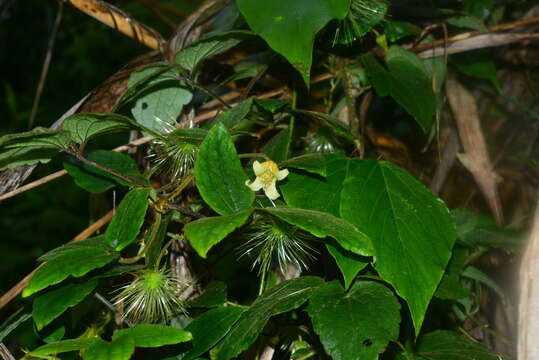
{"points": [[232, 117], [214, 295], [210, 327], [159, 108], [357, 324], [350, 264], [298, 191], [127, 221], [95, 180], [396, 30], [271, 106], [451, 288], [220, 178], [289, 27], [153, 335], [278, 147], [206, 232], [448, 345], [467, 22], [279, 299], [53, 303], [411, 230], [407, 81], [37, 146], [84, 126], [120, 349], [75, 259], [55, 335], [313, 163], [190, 57], [478, 64], [322, 224], [65, 346]]}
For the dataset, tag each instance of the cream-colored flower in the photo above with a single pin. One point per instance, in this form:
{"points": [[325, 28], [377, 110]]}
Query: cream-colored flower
{"points": [[267, 174]]}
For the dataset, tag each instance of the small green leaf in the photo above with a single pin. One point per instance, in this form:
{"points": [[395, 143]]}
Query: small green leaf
{"points": [[231, 118], [190, 57], [206, 232], [158, 105], [210, 327], [127, 221], [95, 180], [220, 178], [289, 27], [407, 81], [83, 126], [349, 263], [467, 22], [75, 259], [411, 230], [214, 295], [66, 346], [350, 324], [478, 64], [313, 163], [451, 288], [278, 147], [53, 303], [279, 299], [91, 244], [120, 349], [449, 345], [322, 224], [396, 30], [55, 335], [153, 335], [272, 106], [37, 146]]}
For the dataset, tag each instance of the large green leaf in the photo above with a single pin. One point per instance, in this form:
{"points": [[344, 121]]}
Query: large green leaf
{"points": [[65, 346], [324, 194], [411, 230], [448, 345], [281, 298], [190, 57], [322, 224], [120, 349], [74, 259], [289, 27], [53, 303], [357, 324], [205, 233], [31, 147], [407, 81], [153, 335], [95, 180], [220, 178], [210, 327], [84, 126], [125, 225]]}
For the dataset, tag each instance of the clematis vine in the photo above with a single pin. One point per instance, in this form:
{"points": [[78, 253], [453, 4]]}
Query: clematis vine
{"points": [[267, 174]]}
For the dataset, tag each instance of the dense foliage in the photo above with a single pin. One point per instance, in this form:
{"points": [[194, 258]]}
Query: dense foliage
{"points": [[262, 216]]}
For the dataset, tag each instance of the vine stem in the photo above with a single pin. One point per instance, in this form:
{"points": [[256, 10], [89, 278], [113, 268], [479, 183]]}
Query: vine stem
{"points": [[85, 234]]}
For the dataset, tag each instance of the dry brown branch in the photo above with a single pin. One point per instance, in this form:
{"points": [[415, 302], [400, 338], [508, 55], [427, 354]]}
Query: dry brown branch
{"points": [[121, 21], [479, 41], [85, 234], [477, 159], [466, 35]]}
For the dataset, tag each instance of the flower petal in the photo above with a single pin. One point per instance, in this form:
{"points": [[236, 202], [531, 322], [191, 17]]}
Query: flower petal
{"points": [[258, 168], [282, 174], [271, 191], [255, 185]]}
